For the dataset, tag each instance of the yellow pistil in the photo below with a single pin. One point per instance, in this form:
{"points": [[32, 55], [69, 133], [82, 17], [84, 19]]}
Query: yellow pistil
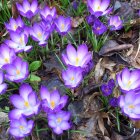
{"points": [[59, 120], [129, 84], [26, 104], [98, 28], [6, 60], [62, 26], [131, 106], [15, 26], [17, 72], [52, 104], [39, 34], [77, 60], [98, 8], [21, 41], [21, 127], [72, 78]]}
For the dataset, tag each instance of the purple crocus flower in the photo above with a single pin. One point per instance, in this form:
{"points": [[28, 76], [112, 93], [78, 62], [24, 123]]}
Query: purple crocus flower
{"points": [[18, 42], [48, 14], [7, 55], [79, 58], [115, 23], [59, 121], [14, 24], [26, 103], [113, 102], [130, 104], [98, 27], [20, 128], [3, 86], [17, 71], [106, 89], [39, 34], [129, 80], [26, 9], [91, 19], [111, 83], [99, 7], [63, 25], [72, 76], [51, 101], [47, 26]]}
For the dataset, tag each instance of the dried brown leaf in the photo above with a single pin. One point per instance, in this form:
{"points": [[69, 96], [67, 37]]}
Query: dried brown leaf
{"points": [[77, 21], [108, 64], [112, 47], [136, 124], [99, 71], [101, 125], [106, 138]]}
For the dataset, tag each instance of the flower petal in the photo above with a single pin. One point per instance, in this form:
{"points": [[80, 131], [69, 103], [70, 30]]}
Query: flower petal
{"points": [[65, 125], [44, 93], [125, 75], [17, 101], [24, 91], [71, 53]]}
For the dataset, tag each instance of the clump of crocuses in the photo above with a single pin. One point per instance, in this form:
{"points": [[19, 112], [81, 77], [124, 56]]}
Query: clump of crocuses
{"points": [[98, 8], [77, 62], [52, 103], [27, 104]]}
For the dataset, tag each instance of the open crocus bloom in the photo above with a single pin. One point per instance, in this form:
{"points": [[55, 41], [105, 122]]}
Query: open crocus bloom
{"points": [[130, 104], [26, 103], [3, 86], [72, 76], [17, 71], [20, 128], [52, 102], [14, 24], [115, 23], [63, 25], [18, 42], [99, 7], [39, 34], [128, 80], [59, 121], [7, 55], [79, 58], [48, 13], [26, 9]]}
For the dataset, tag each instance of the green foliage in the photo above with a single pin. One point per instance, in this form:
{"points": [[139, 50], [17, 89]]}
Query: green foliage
{"points": [[35, 65], [96, 41], [65, 3], [80, 9], [34, 78], [5, 12]]}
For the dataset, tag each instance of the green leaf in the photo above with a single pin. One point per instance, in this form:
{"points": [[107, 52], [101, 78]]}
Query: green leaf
{"points": [[35, 65], [34, 78]]}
